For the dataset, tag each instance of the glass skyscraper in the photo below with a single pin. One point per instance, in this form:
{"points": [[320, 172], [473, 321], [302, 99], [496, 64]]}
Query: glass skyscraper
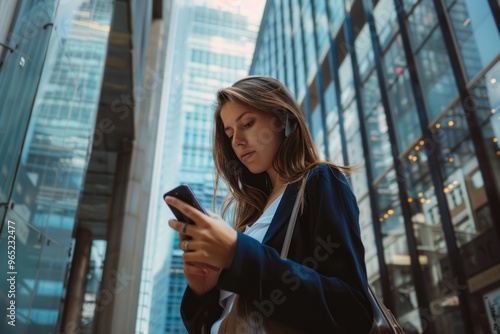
{"points": [[76, 145], [409, 89], [213, 49], [53, 159]]}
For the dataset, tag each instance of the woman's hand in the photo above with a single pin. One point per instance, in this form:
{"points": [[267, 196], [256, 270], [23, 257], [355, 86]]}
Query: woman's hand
{"points": [[208, 246]]}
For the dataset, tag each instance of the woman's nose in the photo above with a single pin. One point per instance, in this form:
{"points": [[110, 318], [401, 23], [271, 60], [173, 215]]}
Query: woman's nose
{"points": [[238, 139]]}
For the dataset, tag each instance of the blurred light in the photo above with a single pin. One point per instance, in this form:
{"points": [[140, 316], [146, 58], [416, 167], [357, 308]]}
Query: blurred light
{"points": [[422, 200], [455, 182], [85, 15], [399, 70], [421, 142], [493, 81], [451, 123], [390, 211], [415, 158], [428, 201], [386, 216], [466, 22], [410, 157], [438, 125], [381, 219], [495, 139], [446, 190], [493, 111], [420, 194], [417, 148], [410, 200], [497, 152], [451, 159]]}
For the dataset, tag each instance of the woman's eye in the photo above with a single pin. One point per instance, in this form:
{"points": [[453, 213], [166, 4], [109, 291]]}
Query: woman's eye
{"points": [[247, 125]]}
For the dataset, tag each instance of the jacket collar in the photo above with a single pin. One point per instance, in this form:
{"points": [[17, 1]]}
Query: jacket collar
{"points": [[282, 215]]}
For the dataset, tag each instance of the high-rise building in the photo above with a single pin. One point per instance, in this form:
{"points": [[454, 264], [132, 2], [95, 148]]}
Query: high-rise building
{"points": [[80, 83], [214, 46], [410, 89]]}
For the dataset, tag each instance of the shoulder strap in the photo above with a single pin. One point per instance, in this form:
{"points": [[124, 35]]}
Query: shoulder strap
{"points": [[293, 218]]}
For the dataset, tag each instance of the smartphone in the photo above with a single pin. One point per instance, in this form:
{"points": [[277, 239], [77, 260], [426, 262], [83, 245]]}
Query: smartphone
{"points": [[185, 194]]}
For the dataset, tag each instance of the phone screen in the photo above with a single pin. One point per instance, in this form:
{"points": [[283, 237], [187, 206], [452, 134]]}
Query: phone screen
{"points": [[185, 194]]}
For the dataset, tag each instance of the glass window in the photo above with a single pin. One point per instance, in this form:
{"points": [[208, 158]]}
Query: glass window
{"points": [[397, 257], [378, 138], [475, 32], [401, 96], [364, 52], [438, 83], [54, 155], [463, 182], [346, 82], [7, 9], [337, 14], [368, 237], [386, 24], [299, 52], [333, 126], [317, 130], [486, 97], [321, 24], [289, 51], [279, 42], [310, 48], [355, 153], [431, 244]]}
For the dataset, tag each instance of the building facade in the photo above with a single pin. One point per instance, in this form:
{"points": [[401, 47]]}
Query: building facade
{"points": [[77, 102], [214, 45], [409, 89]]}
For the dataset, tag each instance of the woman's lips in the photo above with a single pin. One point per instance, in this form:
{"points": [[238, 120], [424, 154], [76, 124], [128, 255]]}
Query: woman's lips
{"points": [[246, 156]]}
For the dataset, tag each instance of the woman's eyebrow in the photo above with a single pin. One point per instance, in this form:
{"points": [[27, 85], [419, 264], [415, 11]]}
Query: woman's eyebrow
{"points": [[239, 117]]}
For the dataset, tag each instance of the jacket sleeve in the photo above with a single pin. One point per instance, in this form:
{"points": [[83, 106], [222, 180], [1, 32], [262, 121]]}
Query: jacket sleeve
{"points": [[199, 312], [322, 286]]}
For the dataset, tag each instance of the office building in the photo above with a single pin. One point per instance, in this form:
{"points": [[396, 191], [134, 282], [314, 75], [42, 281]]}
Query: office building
{"points": [[214, 46], [80, 85], [410, 90]]}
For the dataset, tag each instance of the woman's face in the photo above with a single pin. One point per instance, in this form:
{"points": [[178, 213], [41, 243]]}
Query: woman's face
{"points": [[255, 135]]}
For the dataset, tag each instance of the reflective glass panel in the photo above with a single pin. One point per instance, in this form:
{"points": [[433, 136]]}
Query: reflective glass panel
{"points": [[401, 95], [396, 254], [434, 68], [476, 33]]}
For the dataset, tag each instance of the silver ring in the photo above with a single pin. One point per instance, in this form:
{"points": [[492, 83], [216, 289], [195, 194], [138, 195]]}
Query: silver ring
{"points": [[186, 248], [184, 228]]}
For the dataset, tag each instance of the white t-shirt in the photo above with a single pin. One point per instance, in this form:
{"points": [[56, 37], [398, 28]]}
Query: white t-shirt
{"points": [[257, 231]]}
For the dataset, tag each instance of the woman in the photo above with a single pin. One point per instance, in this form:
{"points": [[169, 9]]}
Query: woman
{"points": [[262, 150]]}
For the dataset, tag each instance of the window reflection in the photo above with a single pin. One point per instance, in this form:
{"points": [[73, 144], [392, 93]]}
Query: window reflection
{"points": [[476, 33], [55, 156], [438, 84], [396, 253], [427, 228]]}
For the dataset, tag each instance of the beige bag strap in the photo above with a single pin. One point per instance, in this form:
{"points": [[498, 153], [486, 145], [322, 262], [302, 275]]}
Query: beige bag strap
{"points": [[293, 218]]}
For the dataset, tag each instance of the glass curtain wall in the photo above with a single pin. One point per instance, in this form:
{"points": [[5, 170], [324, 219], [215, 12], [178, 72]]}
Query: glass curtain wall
{"points": [[424, 214], [45, 146]]}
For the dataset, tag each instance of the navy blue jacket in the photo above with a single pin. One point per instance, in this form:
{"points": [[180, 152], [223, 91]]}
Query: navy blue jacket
{"points": [[321, 287]]}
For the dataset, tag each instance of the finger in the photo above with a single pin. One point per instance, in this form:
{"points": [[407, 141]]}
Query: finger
{"points": [[186, 245], [191, 212], [212, 214], [199, 258], [180, 227]]}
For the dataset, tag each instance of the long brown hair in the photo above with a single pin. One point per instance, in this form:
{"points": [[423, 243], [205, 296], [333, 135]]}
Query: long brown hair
{"points": [[296, 155]]}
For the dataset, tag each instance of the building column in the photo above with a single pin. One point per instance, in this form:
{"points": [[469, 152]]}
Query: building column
{"points": [[75, 295]]}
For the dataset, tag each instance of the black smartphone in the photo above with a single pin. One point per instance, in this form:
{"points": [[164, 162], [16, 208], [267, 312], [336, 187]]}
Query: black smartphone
{"points": [[185, 194]]}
